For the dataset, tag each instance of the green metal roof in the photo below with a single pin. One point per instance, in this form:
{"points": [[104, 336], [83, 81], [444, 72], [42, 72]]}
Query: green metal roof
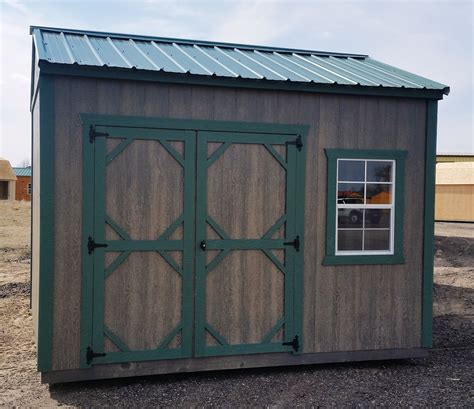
{"points": [[214, 59], [22, 171]]}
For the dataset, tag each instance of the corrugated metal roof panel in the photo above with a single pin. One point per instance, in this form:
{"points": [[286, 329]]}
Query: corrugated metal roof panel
{"points": [[22, 171], [87, 48]]}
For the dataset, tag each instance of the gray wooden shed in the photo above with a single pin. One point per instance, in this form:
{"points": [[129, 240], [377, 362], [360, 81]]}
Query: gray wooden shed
{"points": [[202, 206]]}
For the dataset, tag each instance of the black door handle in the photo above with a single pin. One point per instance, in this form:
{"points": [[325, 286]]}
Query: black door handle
{"points": [[203, 245]]}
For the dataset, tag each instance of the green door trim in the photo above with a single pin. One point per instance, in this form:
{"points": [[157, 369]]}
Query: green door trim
{"points": [[93, 329], [292, 269], [193, 124], [192, 181]]}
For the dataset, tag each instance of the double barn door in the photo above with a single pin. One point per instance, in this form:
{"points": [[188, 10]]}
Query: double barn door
{"points": [[192, 241]]}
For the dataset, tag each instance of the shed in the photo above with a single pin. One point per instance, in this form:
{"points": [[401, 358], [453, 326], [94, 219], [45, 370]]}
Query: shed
{"points": [[23, 189], [455, 188], [7, 180], [202, 205]]}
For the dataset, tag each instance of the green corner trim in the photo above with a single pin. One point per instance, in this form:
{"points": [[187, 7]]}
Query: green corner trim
{"points": [[428, 235], [332, 155], [46, 223]]}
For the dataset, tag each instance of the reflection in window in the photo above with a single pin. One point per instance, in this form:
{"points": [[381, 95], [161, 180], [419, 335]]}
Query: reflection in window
{"points": [[365, 206]]}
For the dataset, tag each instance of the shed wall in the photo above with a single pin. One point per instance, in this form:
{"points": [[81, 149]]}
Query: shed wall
{"points": [[346, 308]]}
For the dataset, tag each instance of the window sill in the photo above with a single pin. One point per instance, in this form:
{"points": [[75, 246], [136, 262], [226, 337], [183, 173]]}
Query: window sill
{"points": [[363, 259]]}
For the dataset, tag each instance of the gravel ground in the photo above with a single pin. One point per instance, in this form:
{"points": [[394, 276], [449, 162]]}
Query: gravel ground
{"points": [[444, 379]]}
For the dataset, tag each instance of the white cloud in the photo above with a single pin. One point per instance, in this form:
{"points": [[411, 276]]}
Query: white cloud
{"points": [[15, 4]]}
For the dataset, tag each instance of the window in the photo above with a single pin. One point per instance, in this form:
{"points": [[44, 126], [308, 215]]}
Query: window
{"points": [[28, 189], [364, 207]]}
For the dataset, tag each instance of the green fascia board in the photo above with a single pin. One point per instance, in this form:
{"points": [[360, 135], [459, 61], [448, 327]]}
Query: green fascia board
{"points": [[191, 79], [428, 234], [332, 155], [46, 224]]}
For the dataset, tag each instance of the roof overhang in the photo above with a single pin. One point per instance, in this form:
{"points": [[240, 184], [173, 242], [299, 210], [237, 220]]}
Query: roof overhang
{"points": [[186, 78]]}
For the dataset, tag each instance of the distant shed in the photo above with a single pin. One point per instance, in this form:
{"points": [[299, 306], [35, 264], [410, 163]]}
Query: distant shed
{"points": [[202, 205], [7, 181], [455, 187], [23, 183]]}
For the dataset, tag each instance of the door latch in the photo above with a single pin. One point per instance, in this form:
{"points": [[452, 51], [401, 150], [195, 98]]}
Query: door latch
{"points": [[295, 343], [203, 245], [92, 245], [90, 355], [295, 243]]}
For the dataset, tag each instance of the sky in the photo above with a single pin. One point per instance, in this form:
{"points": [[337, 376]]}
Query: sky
{"points": [[430, 38]]}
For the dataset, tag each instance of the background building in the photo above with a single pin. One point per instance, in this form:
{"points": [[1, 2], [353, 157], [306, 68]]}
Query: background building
{"points": [[455, 188], [23, 183], [7, 180]]}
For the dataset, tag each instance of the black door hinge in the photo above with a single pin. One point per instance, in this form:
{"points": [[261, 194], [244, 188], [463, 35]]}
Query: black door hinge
{"points": [[90, 355], [94, 134], [295, 343], [92, 245], [295, 243], [298, 142]]}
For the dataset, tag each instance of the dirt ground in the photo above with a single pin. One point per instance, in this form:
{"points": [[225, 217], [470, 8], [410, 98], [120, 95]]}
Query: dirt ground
{"points": [[444, 379]]}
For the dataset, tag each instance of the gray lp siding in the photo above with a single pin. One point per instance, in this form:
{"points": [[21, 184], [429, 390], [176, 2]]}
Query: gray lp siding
{"points": [[346, 308]]}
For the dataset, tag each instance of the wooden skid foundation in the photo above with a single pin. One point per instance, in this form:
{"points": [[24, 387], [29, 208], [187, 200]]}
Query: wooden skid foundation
{"points": [[225, 362]]}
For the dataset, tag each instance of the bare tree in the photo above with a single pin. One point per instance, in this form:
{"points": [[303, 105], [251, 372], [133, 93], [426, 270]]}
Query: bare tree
{"points": [[26, 163]]}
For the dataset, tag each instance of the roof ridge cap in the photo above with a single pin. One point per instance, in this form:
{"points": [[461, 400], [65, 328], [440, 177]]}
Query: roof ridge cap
{"points": [[192, 42]]}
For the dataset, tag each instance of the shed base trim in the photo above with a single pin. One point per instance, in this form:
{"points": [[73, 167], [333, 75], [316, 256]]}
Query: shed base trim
{"points": [[130, 369]]}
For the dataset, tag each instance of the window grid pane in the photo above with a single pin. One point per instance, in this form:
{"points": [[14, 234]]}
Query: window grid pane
{"points": [[373, 220]]}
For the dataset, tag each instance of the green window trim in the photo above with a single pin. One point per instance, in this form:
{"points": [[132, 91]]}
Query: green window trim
{"points": [[332, 156]]}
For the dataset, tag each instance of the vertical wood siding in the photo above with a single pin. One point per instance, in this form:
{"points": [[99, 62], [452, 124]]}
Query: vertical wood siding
{"points": [[345, 307]]}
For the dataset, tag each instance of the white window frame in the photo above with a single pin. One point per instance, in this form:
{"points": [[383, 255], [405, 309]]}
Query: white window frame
{"points": [[391, 206]]}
